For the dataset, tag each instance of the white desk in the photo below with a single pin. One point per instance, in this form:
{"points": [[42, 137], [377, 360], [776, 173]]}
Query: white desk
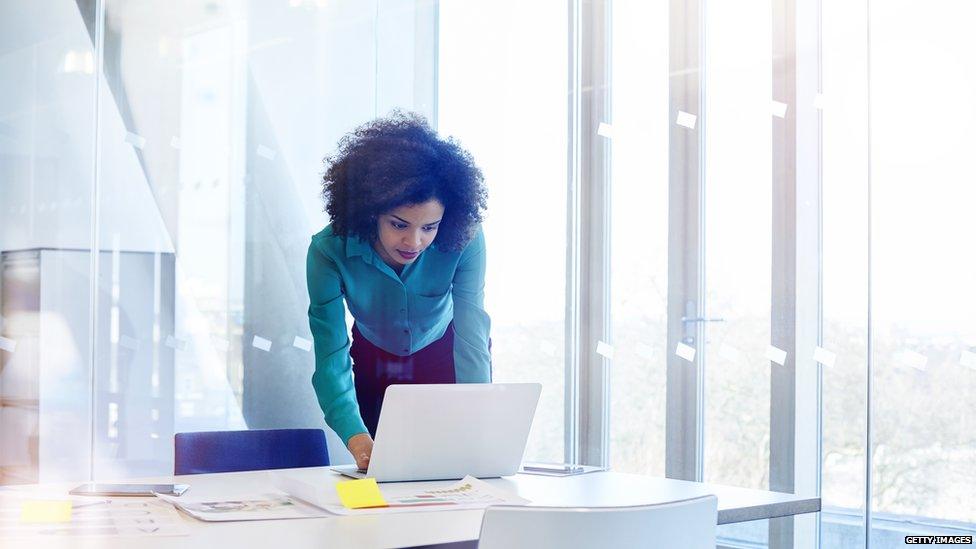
{"points": [[426, 528]]}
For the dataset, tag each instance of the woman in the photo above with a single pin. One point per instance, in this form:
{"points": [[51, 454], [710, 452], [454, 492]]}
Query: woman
{"points": [[406, 253]]}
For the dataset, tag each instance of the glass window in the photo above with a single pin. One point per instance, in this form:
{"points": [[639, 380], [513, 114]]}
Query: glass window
{"points": [[923, 440], [845, 274], [502, 92], [922, 453], [47, 140], [738, 239], [639, 233]]}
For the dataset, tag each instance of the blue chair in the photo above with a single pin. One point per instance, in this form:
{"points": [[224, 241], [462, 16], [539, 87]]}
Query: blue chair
{"points": [[252, 450]]}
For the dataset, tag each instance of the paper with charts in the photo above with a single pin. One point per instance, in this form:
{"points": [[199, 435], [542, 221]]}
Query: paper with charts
{"points": [[38, 517], [467, 493], [250, 507]]}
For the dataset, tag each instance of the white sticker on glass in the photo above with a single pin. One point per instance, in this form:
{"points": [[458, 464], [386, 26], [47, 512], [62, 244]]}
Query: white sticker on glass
{"points": [[74, 61], [685, 351], [775, 354], [302, 343], [175, 142], [135, 140], [260, 343], [778, 109], [968, 359], [175, 343], [686, 119], [823, 356], [606, 130], [266, 152], [604, 349], [8, 345], [129, 342], [913, 359]]}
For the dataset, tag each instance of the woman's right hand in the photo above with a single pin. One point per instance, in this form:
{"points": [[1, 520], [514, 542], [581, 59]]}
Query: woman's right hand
{"points": [[361, 448]]}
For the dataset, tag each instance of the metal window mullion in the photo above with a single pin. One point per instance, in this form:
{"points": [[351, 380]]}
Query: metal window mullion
{"points": [[807, 258], [95, 247], [820, 277], [783, 299], [594, 254], [572, 362], [435, 62], [685, 382], [869, 389]]}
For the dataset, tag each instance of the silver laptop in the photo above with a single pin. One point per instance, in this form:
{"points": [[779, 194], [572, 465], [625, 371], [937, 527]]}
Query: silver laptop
{"points": [[447, 431]]}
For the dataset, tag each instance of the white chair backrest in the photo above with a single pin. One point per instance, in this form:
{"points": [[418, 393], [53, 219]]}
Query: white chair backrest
{"points": [[688, 524]]}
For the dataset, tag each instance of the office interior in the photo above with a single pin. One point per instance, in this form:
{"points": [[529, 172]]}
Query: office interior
{"points": [[730, 239]]}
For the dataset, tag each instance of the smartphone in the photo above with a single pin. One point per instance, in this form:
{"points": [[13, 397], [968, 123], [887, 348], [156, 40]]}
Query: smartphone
{"points": [[552, 468], [137, 490]]}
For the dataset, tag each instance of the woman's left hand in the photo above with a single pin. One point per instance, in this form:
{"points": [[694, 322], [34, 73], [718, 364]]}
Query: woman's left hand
{"points": [[361, 448]]}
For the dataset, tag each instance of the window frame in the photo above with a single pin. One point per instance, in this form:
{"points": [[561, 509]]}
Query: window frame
{"points": [[795, 390]]}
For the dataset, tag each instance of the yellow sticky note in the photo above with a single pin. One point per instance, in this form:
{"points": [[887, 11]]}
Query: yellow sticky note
{"points": [[357, 494], [45, 511]]}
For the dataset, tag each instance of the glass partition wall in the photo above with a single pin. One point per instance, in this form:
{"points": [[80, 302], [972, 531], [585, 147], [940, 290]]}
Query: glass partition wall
{"points": [[186, 143], [726, 239], [220, 114], [48, 135]]}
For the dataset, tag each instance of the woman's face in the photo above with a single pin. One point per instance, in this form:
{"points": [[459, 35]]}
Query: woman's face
{"points": [[407, 231]]}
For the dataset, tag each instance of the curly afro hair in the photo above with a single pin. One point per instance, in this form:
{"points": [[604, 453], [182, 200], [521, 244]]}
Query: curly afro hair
{"points": [[400, 161]]}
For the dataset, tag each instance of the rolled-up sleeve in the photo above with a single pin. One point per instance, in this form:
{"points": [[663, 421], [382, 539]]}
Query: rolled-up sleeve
{"points": [[472, 325], [332, 379]]}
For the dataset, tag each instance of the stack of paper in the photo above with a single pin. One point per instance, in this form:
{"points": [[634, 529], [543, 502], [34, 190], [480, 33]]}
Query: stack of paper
{"points": [[27, 515], [252, 507], [364, 496]]}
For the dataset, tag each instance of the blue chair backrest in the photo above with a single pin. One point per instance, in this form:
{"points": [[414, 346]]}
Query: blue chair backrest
{"points": [[252, 450]]}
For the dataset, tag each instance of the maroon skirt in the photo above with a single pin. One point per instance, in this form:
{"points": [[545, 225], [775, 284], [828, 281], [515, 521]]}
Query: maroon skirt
{"points": [[375, 369]]}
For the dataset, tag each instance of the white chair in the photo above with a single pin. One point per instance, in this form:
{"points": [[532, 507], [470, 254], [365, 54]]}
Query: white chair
{"points": [[688, 524]]}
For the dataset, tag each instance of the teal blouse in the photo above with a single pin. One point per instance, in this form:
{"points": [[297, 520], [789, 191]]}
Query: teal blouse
{"points": [[400, 314]]}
